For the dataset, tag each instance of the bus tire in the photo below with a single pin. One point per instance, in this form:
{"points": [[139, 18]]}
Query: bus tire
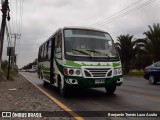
{"points": [[110, 90], [41, 75], [45, 83], [63, 91], [38, 74]]}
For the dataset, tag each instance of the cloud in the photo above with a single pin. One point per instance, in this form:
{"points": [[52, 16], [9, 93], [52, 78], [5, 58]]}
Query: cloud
{"points": [[41, 18]]}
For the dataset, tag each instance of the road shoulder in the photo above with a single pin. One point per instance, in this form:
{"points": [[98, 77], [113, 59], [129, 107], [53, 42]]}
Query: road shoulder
{"points": [[20, 95]]}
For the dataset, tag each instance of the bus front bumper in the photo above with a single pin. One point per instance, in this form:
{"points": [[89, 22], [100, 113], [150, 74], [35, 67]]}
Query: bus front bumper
{"points": [[80, 82]]}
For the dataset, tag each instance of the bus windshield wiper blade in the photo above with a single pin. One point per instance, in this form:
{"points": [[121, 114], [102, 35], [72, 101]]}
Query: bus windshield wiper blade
{"points": [[95, 51], [83, 52]]}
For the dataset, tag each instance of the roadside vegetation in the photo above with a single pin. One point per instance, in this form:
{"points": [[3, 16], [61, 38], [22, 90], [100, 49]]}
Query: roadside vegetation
{"points": [[139, 53], [136, 73], [3, 73], [29, 66]]}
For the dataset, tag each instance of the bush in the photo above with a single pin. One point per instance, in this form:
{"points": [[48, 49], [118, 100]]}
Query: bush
{"points": [[4, 64], [4, 72], [136, 73], [2, 76]]}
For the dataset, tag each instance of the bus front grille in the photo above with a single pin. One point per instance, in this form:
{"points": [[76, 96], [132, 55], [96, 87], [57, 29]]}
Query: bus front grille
{"points": [[98, 72]]}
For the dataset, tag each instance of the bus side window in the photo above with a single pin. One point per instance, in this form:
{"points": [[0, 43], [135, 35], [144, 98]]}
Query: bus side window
{"points": [[49, 49], [39, 54], [58, 46], [45, 51], [42, 51]]}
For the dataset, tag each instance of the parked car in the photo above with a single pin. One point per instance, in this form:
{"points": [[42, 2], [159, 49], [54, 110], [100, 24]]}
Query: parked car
{"points": [[152, 73]]}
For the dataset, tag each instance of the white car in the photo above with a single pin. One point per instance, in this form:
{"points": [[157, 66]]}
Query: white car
{"points": [[32, 70], [22, 70]]}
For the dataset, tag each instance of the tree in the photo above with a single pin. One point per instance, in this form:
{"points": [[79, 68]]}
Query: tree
{"points": [[4, 64], [140, 61], [29, 66], [127, 48], [152, 42]]}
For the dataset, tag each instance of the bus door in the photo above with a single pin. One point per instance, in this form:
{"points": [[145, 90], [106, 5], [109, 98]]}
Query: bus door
{"points": [[52, 60], [55, 54]]}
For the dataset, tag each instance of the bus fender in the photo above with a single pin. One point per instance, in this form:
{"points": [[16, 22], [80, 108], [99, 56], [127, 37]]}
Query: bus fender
{"points": [[60, 78]]}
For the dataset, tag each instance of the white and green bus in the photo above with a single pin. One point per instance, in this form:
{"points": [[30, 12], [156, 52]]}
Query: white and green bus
{"points": [[79, 57]]}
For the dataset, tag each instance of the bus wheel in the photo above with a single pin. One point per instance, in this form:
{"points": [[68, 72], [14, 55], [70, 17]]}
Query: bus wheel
{"points": [[110, 90], [45, 83], [62, 89], [39, 76]]}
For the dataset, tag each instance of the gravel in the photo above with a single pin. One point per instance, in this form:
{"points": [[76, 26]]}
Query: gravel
{"points": [[20, 95]]}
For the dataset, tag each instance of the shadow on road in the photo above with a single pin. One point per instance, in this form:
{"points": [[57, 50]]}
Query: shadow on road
{"points": [[81, 93]]}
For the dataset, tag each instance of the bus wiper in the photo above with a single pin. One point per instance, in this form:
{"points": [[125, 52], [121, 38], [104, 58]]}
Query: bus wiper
{"points": [[83, 52], [95, 51]]}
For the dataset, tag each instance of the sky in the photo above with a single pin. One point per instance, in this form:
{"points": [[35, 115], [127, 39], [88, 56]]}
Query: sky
{"points": [[36, 20]]}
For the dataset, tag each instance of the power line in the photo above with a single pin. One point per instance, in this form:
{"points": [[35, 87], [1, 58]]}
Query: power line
{"points": [[14, 28], [17, 24], [17, 16], [6, 25], [117, 12], [9, 26], [116, 16], [20, 12], [126, 13], [8, 36], [12, 18], [21, 21], [21, 15], [9, 31]]}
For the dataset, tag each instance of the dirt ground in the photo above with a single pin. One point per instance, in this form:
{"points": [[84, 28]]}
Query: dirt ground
{"points": [[20, 95]]}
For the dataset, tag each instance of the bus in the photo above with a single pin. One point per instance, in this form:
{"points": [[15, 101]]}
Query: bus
{"points": [[80, 57]]}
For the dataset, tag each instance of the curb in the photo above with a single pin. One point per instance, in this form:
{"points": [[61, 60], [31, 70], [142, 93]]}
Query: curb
{"points": [[65, 108]]}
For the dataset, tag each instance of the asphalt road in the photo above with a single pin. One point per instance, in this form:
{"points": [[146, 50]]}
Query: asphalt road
{"points": [[135, 94]]}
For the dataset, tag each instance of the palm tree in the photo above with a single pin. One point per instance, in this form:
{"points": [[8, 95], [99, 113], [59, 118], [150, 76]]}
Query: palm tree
{"points": [[152, 41], [127, 48]]}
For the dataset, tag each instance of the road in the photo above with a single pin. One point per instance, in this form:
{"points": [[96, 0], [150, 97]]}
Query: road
{"points": [[135, 94]]}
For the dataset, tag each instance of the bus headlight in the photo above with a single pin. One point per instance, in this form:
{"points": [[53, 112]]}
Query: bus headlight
{"points": [[72, 72], [117, 71], [78, 72]]}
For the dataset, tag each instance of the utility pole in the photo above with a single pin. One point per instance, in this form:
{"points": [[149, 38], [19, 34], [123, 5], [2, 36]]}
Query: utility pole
{"points": [[5, 9], [15, 36], [9, 53]]}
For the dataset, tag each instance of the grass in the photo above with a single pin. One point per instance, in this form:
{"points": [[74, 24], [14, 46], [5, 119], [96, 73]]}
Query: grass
{"points": [[136, 73], [12, 74]]}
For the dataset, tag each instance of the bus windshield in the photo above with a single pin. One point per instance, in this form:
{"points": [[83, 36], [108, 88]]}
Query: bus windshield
{"points": [[88, 43]]}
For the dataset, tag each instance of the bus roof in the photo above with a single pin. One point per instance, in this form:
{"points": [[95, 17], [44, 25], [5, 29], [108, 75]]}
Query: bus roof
{"points": [[73, 27], [81, 27]]}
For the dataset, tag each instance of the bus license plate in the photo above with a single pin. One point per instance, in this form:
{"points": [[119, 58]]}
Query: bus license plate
{"points": [[99, 81]]}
